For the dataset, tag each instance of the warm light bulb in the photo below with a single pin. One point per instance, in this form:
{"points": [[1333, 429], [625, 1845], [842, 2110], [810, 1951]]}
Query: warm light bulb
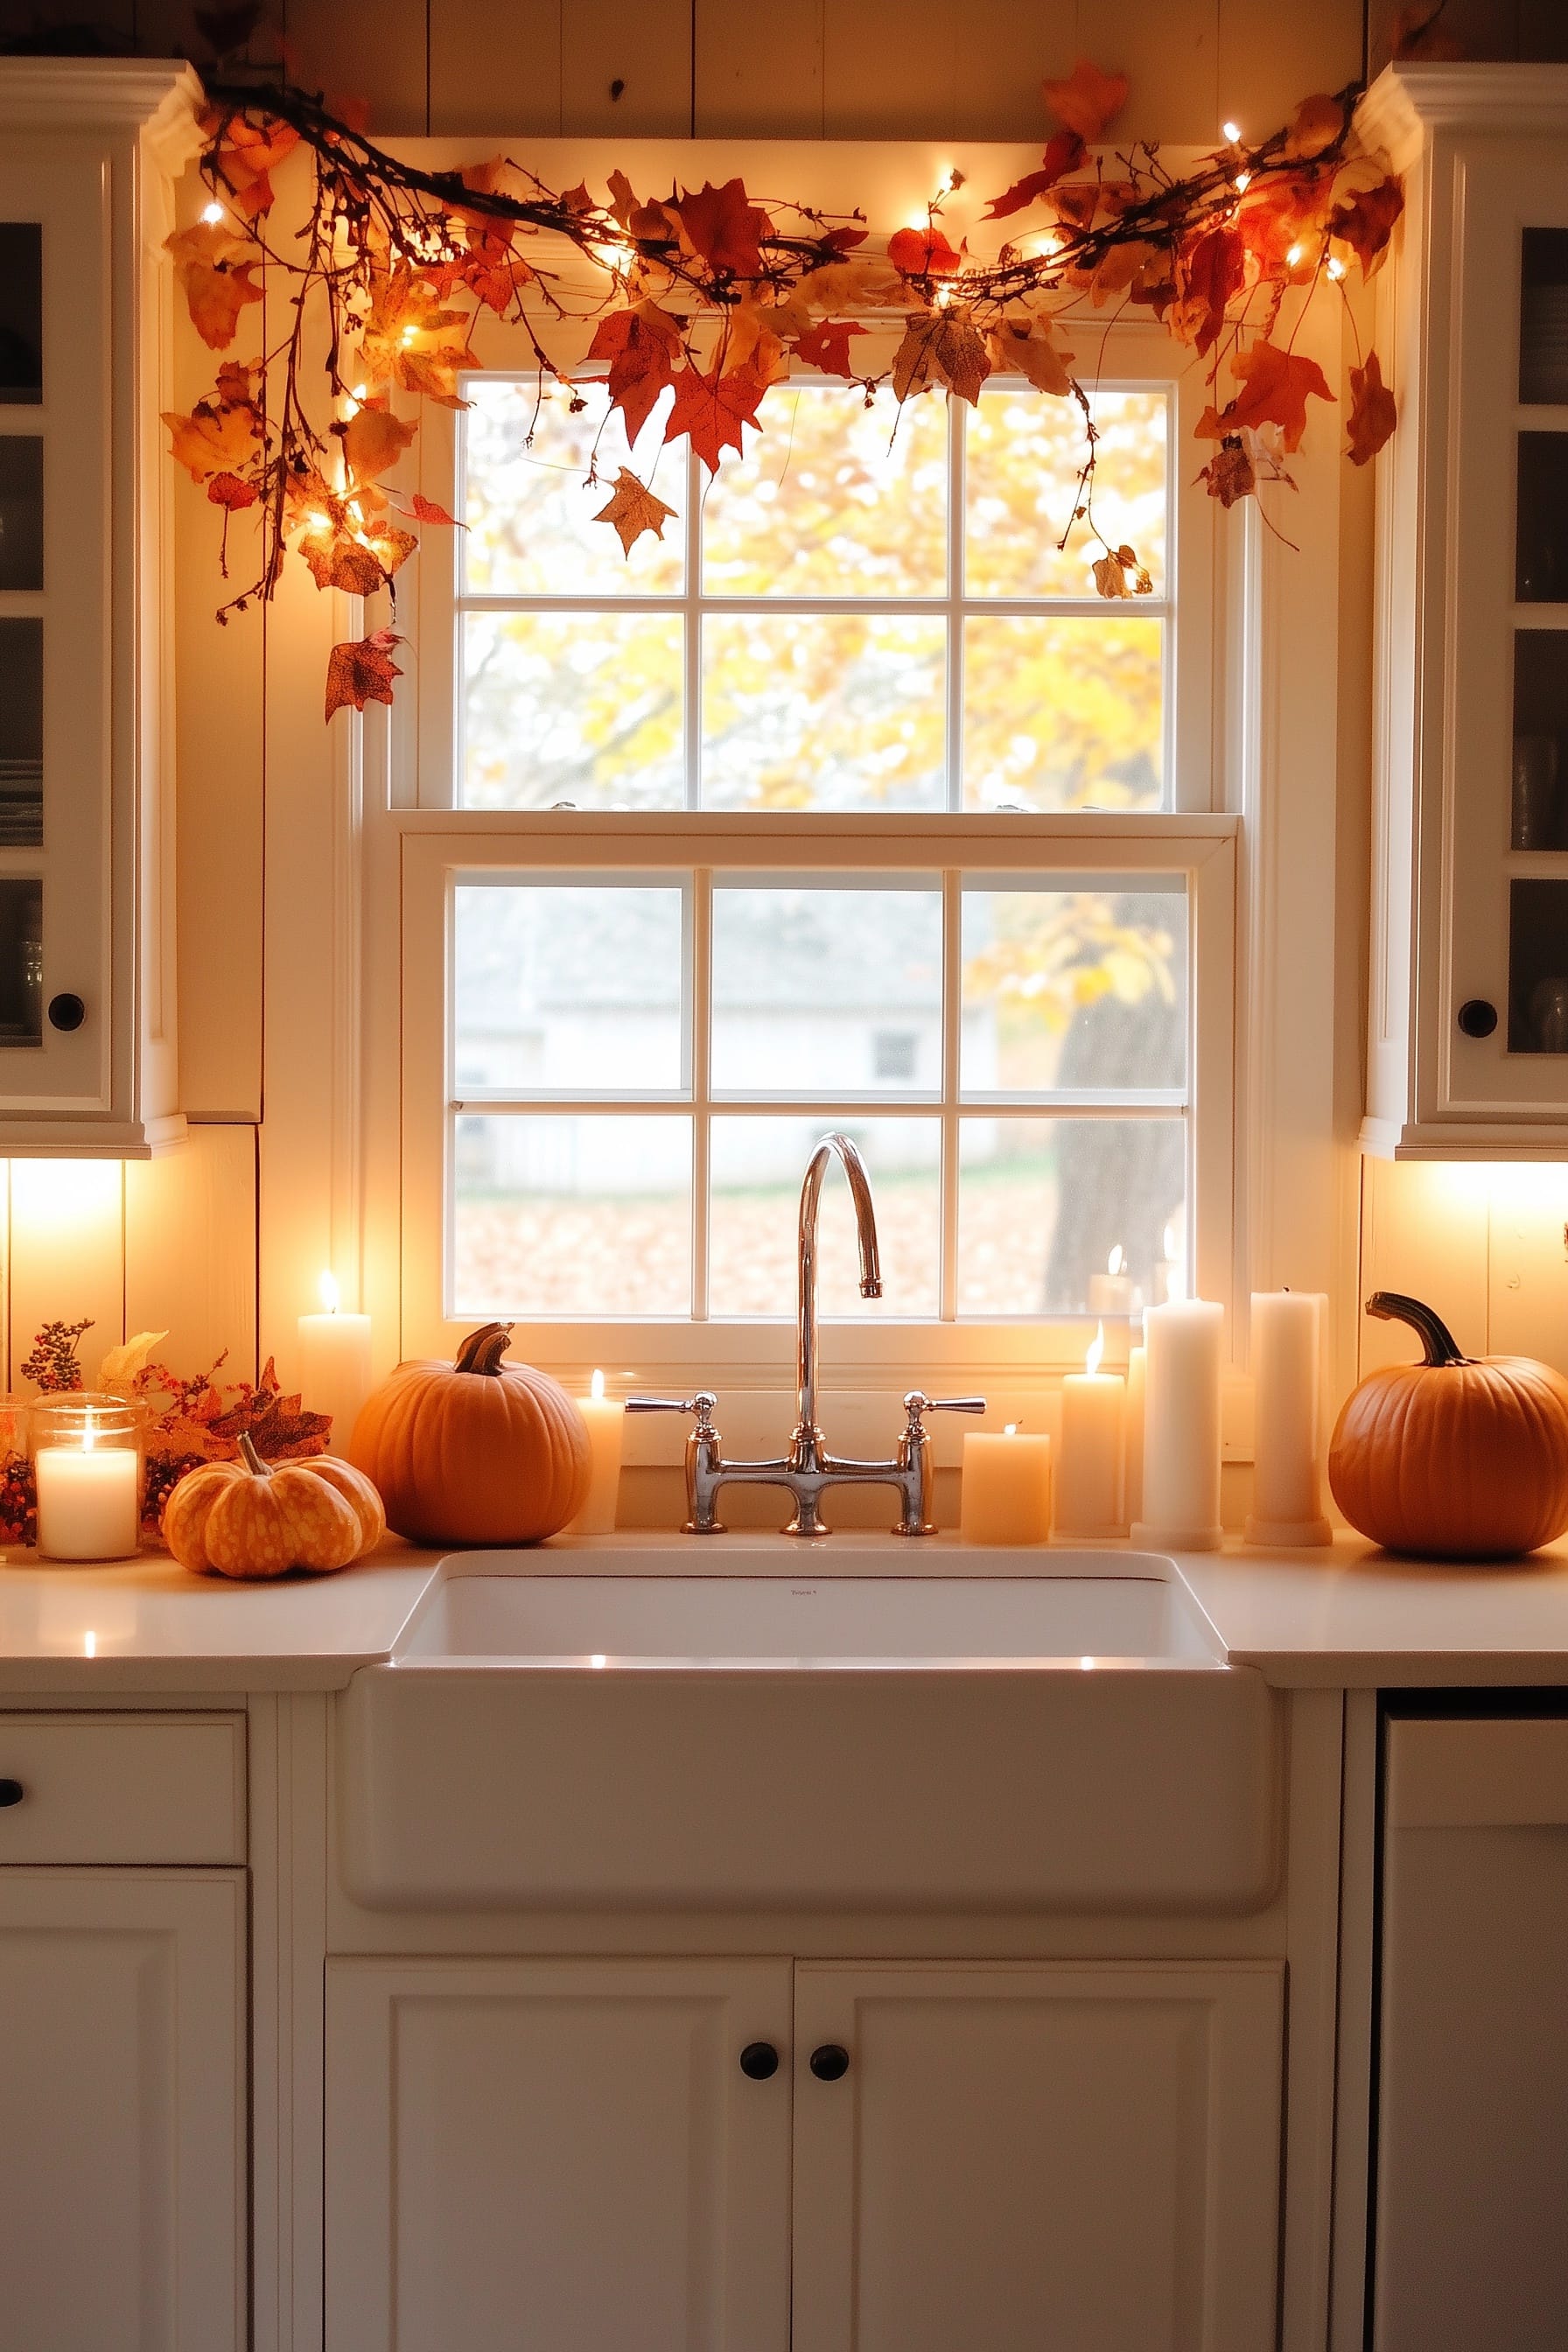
{"points": [[1336, 268], [1294, 256], [319, 522], [1231, 130], [944, 294], [596, 1388], [211, 213], [1116, 1261], [408, 335], [1095, 1350], [1243, 182], [332, 1295]]}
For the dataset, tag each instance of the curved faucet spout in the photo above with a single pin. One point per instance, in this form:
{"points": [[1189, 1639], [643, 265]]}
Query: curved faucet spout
{"points": [[807, 1445]]}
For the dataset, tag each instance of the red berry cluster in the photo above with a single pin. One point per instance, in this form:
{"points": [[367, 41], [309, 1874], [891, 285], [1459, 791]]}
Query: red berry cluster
{"points": [[18, 1501]]}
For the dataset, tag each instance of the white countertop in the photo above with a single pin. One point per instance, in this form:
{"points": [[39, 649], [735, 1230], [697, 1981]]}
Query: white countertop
{"points": [[1345, 1616]]}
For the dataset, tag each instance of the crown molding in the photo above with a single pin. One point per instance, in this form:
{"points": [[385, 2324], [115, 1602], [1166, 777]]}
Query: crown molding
{"points": [[1408, 103], [158, 98]]}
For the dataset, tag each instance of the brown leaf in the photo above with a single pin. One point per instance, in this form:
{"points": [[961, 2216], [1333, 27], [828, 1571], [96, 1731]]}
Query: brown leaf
{"points": [[213, 266], [373, 440], [723, 227], [1276, 387], [1117, 271], [827, 347], [246, 154], [1229, 474], [711, 409], [337, 560], [940, 346], [1118, 573], [1367, 223], [633, 509], [1064, 154], [362, 671], [1210, 271], [641, 345], [1318, 123], [1089, 100], [1023, 346], [1373, 413]]}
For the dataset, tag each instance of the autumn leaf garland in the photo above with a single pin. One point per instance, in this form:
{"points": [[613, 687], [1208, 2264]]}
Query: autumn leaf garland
{"points": [[713, 297]]}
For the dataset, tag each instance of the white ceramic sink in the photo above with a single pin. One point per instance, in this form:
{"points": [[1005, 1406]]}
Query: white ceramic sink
{"points": [[825, 1733]]}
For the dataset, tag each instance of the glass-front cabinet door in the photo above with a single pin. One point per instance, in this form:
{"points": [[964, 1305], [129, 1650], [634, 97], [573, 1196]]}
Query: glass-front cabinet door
{"points": [[56, 819]]}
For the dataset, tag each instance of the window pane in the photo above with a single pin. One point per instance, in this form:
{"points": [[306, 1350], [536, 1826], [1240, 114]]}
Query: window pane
{"points": [[1042, 1203], [823, 712], [1074, 990], [21, 734], [577, 707], [1023, 456], [826, 992], [21, 313], [834, 500], [1063, 714], [571, 1216], [578, 990], [530, 510], [21, 511], [758, 1164]]}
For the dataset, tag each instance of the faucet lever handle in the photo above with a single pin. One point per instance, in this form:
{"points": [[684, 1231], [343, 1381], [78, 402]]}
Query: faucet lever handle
{"points": [[917, 1403], [701, 1404]]}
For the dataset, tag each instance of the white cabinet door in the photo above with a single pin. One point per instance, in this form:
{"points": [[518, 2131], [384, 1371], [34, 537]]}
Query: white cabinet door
{"points": [[122, 2111], [1037, 2155], [540, 2156]]}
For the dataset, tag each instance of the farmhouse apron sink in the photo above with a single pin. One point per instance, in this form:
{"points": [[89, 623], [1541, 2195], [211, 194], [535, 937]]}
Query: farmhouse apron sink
{"points": [[1072, 1740]]}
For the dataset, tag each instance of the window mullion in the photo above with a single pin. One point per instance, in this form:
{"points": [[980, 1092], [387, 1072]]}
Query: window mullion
{"points": [[701, 1042], [952, 1038], [691, 733], [955, 451]]}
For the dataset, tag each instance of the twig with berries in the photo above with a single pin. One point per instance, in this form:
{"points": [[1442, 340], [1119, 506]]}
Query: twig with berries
{"points": [[53, 1366]]}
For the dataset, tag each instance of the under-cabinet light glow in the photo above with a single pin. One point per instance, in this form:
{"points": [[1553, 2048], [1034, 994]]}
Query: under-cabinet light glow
{"points": [[1231, 130], [598, 1659]]}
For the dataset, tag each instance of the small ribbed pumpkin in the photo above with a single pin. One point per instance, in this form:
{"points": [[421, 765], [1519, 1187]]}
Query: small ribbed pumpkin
{"points": [[476, 1452], [1452, 1458], [247, 1518]]}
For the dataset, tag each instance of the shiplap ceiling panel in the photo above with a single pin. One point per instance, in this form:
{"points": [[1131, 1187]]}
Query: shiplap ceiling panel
{"points": [[644, 47], [1272, 58], [495, 65], [372, 52], [760, 75]]}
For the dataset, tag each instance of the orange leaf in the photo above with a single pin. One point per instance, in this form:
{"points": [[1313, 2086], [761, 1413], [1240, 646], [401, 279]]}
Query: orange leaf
{"points": [[1276, 387], [228, 490], [710, 409], [215, 278], [633, 509], [640, 345], [1210, 270], [923, 253], [1025, 345], [827, 346], [1318, 123], [373, 440], [1373, 413], [723, 227], [1089, 100], [362, 671], [1367, 223], [1118, 573], [210, 440], [942, 347], [426, 511], [1064, 154]]}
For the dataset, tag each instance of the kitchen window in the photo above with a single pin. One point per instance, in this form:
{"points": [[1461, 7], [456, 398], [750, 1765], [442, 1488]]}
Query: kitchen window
{"points": [[846, 802]]}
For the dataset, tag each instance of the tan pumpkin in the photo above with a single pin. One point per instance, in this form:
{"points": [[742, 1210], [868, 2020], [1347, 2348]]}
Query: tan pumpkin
{"points": [[1453, 1458], [477, 1451], [247, 1518]]}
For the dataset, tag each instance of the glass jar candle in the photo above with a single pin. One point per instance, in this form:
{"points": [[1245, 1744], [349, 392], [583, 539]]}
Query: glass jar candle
{"points": [[86, 1452]]}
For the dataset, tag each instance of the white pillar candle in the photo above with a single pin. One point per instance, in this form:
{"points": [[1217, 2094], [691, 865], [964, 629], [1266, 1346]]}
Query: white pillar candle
{"points": [[89, 1498], [1287, 1462], [1006, 1496], [335, 1365], [1110, 1293], [1184, 1339], [605, 1418], [1137, 1364], [1088, 1460]]}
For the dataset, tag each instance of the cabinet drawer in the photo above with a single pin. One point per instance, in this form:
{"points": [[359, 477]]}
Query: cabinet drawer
{"points": [[121, 1788]]}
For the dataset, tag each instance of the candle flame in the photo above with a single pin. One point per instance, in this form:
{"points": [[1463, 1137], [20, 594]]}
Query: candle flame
{"points": [[1096, 1349], [88, 1434], [1116, 1261], [1170, 1241], [90, 1643], [331, 1296], [1011, 1430], [596, 1388]]}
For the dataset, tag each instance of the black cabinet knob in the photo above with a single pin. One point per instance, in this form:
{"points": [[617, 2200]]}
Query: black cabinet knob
{"points": [[1476, 1017], [11, 1793], [830, 2061], [759, 2060], [66, 1012]]}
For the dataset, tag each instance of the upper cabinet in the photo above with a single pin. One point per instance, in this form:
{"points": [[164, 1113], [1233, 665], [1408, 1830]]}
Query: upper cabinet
{"points": [[1468, 1055], [89, 151]]}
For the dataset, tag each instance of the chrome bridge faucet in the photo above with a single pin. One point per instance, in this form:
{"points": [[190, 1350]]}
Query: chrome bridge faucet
{"points": [[807, 1471]]}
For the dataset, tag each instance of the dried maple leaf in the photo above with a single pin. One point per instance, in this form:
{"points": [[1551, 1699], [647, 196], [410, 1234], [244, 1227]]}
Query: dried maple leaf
{"points": [[633, 509], [723, 227], [1275, 215], [1416, 33], [641, 345], [940, 346], [1210, 272], [1367, 223], [1230, 474], [426, 511], [228, 490], [373, 440], [1064, 154], [1319, 123], [1089, 100], [1119, 269], [711, 409], [1373, 413], [212, 439], [244, 155], [362, 671], [1276, 386], [407, 338], [213, 271], [871, 282], [1023, 346], [121, 1364], [1118, 573], [827, 347], [338, 559], [923, 253]]}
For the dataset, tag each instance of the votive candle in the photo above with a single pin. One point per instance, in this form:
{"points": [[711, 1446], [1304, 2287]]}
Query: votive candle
{"points": [[1184, 1340], [334, 1364], [1006, 1497], [1089, 1459], [605, 1417]]}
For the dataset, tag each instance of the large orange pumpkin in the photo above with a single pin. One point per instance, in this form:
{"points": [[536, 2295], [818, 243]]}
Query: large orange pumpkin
{"points": [[478, 1452], [245, 1518], [1451, 1457]]}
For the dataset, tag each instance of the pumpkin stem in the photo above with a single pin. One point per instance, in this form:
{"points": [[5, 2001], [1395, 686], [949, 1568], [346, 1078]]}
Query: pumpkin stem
{"points": [[251, 1459], [1438, 1342], [482, 1350]]}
